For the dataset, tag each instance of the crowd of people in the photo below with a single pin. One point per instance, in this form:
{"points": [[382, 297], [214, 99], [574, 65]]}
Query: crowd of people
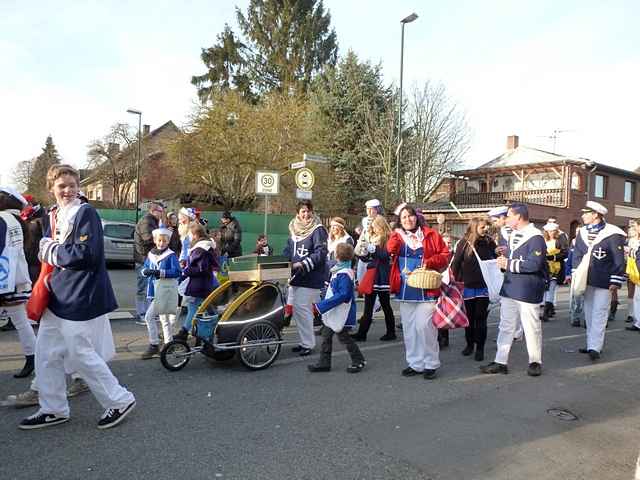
{"points": [[178, 260]]}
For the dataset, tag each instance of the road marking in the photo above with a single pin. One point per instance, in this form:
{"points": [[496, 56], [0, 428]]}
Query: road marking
{"points": [[120, 315]]}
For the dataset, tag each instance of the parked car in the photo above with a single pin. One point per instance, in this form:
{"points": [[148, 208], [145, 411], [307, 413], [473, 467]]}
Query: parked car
{"points": [[118, 241]]}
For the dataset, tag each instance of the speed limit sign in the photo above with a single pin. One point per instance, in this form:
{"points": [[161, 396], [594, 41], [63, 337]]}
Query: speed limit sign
{"points": [[267, 183]]}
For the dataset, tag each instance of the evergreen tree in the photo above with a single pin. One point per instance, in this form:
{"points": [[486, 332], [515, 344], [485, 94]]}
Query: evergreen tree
{"points": [[350, 99], [38, 180], [287, 43], [226, 67]]}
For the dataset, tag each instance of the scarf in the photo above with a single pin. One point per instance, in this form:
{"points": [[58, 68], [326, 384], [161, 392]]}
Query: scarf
{"points": [[157, 251], [300, 230], [340, 266], [65, 217], [595, 228], [414, 239]]}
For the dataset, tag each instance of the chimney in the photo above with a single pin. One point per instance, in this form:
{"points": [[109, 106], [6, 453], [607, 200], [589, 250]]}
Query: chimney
{"points": [[113, 149], [145, 130], [512, 142]]}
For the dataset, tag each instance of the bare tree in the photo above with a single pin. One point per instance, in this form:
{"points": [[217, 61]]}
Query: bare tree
{"points": [[113, 160], [379, 137], [23, 174], [437, 139]]}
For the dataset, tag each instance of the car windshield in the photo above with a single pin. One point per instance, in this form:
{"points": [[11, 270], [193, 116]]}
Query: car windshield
{"points": [[123, 232]]}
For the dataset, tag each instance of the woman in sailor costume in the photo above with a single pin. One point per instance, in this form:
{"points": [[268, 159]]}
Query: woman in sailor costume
{"points": [[80, 296], [411, 246], [306, 249], [15, 283], [605, 244]]}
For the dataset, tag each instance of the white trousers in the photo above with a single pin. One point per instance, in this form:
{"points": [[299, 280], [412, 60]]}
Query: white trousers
{"points": [[596, 314], [18, 314], [302, 299], [420, 335], [550, 295], [510, 312], [59, 340], [636, 306], [166, 321]]}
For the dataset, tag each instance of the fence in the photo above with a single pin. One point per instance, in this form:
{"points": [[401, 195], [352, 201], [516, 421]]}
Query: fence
{"points": [[251, 223]]}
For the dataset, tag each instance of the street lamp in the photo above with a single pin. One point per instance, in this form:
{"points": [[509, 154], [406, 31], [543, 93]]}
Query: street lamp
{"points": [[139, 114], [404, 21]]}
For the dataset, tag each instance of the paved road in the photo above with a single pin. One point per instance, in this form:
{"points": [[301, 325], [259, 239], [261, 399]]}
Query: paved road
{"points": [[218, 420]]}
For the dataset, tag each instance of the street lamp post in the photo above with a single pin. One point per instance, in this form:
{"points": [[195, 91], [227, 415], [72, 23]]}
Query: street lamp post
{"points": [[404, 21], [139, 114]]}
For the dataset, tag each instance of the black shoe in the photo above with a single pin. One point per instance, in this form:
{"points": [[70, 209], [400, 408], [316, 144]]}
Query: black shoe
{"points": [[629, 319], [552, 310], [305, 351], [297, 349], [113, 416], [593, 355], [27, 369], [583, 350], [410, 372], [359, 337], [430, 374], [534, 370], [41, 420], [632, 328], [356, 367], [575, 323], [494, 367], [8, 327], [479, 356], [468, 350], [318, 368], [544, 317], [387, 337]]}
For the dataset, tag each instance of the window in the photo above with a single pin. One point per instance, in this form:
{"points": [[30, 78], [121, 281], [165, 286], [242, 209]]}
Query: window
{"points": [[600, 187], [629, 192], [576, 182], [122, 232]]}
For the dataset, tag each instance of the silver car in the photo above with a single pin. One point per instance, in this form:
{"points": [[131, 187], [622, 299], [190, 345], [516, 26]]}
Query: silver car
{"points": [[118, 241]]}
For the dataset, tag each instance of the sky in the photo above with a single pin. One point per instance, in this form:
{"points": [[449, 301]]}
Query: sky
{"points": [[71, 69]]}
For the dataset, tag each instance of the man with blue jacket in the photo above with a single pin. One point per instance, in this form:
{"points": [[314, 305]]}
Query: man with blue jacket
{"points": [[526, 272], [603, 246]]}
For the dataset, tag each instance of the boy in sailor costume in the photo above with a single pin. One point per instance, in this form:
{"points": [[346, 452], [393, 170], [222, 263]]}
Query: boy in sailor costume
{"points": [[525, 279], [338, 313], [80, 297], [161, 265], [602, 245]]}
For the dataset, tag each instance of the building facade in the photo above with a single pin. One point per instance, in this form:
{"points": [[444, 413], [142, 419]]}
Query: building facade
{"points": [[552, 185]]}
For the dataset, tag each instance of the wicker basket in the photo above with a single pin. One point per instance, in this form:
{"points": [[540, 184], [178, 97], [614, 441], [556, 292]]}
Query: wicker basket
{"points": [[425, 279]]}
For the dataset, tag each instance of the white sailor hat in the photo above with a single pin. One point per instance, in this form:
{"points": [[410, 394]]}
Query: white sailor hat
{"points": [[399, 208], [15, 194], [372, 203], [549, 227], [592, 206], [498, 211], [188, 212], [161, 231]]}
